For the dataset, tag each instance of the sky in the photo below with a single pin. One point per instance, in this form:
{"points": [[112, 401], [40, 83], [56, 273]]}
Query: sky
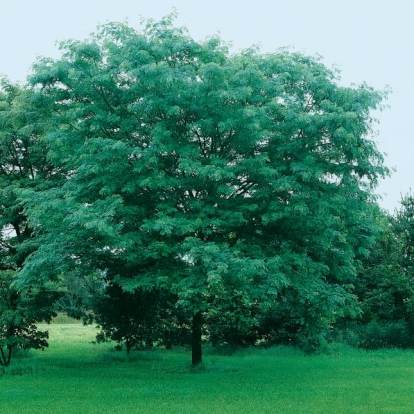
{"points": [[370, 41]]}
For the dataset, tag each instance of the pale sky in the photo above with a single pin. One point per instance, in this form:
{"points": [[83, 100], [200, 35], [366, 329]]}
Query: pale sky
{"points": [[369, 40]]}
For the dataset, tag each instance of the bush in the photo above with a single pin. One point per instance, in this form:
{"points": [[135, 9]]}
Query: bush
{"points": [[141, 319], [376, 335]]}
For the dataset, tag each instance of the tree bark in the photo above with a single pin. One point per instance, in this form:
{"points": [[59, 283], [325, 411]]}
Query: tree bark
{"points": [[5, 360], [196, 351]]}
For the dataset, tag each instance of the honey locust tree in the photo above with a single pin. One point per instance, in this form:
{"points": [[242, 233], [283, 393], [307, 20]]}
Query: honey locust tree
{"points": [[209, 174], [23, 164]]}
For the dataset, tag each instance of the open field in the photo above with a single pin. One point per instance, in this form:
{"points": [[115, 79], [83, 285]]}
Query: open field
{"points": [[74, 376]]}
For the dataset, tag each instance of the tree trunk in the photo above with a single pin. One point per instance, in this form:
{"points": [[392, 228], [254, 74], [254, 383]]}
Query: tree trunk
{"points": [[5, 360], [196, 339]]}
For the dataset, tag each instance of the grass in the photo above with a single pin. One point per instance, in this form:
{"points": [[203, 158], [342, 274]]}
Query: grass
{"points": [[74, 376]]}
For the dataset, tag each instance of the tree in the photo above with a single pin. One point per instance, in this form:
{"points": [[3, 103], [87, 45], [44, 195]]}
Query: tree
{"points": [[385, 285], [204, 173], [403, 225], [23, 164], [20, 309]]}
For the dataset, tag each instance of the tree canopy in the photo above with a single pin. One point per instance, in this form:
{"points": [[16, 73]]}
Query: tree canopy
{"points": [[23, 165], [213, 175]]}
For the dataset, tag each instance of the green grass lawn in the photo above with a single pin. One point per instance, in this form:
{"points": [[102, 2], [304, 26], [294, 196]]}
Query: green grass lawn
{"points": [[74, 376]]}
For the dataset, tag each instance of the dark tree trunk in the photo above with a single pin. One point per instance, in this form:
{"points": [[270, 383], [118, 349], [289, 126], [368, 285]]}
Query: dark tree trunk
{"points": [[9, 349], [128, 345], [5, 358], [196, 339]]}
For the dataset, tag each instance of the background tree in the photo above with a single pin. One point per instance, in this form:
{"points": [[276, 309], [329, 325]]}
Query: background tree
{"points": [[385, 286], [20, 309], [403, 225], [23, 164], [206, 174]]}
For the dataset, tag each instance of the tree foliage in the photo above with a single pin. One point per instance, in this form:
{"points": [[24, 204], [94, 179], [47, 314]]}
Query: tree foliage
{"points": [[208, 174], [23, 165], [140, 319], [20, 309], [385, 284]]}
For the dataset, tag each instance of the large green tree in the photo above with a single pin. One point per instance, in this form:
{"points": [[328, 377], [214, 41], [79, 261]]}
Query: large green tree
{"points": [[23, 165], [209, 174]]}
